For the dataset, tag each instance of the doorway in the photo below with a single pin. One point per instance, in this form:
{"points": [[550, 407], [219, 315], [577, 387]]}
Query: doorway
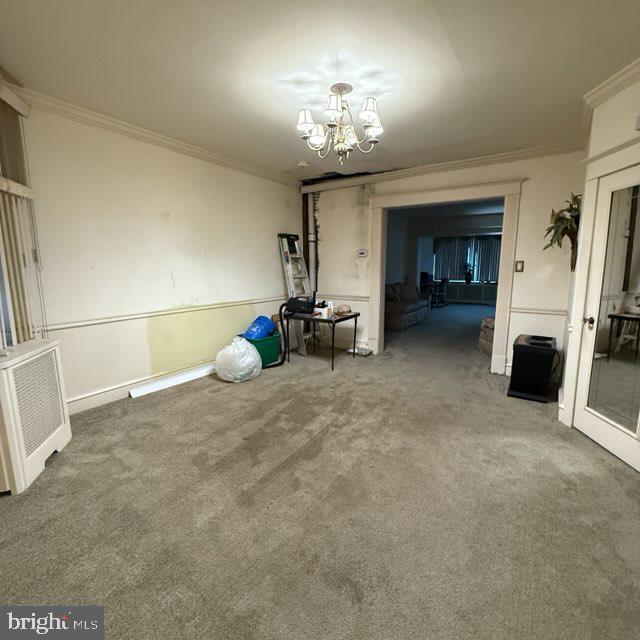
{"points": [[608, 391], [444, 255], [382, 202]]}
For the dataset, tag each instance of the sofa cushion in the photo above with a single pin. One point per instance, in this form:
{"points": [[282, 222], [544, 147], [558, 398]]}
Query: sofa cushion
{"points": [[394, 307], [411, 293]]}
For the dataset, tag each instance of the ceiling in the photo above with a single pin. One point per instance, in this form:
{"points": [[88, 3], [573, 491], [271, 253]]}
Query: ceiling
{"points": [[466, 208], [478, 217], [455, 78]]}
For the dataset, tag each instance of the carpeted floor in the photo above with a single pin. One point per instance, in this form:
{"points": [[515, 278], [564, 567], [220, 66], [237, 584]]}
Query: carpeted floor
{"points": [[401, 496]]}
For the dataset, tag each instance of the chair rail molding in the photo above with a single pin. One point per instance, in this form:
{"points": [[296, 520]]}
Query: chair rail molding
{"points": [[89, 322]]}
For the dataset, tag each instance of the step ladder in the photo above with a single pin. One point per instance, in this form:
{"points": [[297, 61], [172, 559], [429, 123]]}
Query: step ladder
{"points": [[298, 282]]}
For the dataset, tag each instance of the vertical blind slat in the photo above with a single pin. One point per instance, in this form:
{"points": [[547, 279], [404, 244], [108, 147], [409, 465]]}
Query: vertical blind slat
{"points": [[11, 236]]}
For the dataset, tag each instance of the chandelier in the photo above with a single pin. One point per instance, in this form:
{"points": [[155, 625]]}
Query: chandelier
{"points": [[340, 131]]}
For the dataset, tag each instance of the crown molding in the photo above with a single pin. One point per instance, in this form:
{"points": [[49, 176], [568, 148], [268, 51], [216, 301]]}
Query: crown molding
{"points": [[85, 116], [614, 84], [498, 158]]}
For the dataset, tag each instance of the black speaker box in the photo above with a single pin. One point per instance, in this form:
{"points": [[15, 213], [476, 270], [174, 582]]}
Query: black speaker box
{"points": [[532, 367]]}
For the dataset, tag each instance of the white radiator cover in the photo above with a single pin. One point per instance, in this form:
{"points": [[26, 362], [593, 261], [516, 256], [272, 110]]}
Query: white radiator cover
{"points": [[34, 416]]}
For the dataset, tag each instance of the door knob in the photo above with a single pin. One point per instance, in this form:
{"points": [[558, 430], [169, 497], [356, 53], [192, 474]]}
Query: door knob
{"points": [[590, 321]]}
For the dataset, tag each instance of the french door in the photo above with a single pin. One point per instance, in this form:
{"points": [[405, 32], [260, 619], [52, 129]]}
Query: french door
{"points": [[608, 392]]}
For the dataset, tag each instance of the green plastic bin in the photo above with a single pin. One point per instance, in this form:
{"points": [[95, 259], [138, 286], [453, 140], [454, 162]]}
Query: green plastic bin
{"points": [[268, 348]]}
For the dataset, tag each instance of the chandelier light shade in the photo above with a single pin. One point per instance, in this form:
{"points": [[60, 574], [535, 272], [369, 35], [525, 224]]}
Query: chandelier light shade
{"points": [[339, 133], [375, 128], [334, 107], [305, 121], [369, 109], [316, 139]]}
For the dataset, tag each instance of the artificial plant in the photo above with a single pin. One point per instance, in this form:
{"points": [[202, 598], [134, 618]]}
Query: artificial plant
{"points": [[565, 224]]}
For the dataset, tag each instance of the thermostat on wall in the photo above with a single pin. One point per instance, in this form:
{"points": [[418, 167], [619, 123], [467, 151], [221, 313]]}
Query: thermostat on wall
{"points": [[361, 253]]}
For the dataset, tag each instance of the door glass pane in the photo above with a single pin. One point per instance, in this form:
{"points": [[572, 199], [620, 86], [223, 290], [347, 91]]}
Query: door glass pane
{"points": [[614, 389]]}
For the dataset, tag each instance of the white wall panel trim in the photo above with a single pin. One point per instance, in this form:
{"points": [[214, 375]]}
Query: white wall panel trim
{"points": [[339, 296], [542, 312], [61, 326]]}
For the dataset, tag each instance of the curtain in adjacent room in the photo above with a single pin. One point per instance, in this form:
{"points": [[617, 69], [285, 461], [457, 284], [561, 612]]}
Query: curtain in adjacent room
{"points": [[448, 259], [488, 248], [479, 253]]}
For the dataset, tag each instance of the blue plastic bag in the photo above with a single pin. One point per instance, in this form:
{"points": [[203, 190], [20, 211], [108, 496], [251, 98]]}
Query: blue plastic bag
{"points": [[261, 327]]}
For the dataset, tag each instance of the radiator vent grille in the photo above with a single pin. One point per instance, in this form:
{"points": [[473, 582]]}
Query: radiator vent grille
{"points": [[39, 403]]}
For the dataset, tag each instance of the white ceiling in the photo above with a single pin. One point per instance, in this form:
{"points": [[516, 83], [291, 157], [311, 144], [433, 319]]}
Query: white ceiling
{"points": [[455, 78], [463, 208]]}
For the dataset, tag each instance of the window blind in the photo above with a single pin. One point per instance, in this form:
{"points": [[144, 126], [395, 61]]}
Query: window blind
{"points": [[480, 254]]}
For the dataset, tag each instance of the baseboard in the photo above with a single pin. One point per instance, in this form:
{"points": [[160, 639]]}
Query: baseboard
{"points": [[499, 364], [120, 391], [156, 382], [374, 345], [97, 398]]}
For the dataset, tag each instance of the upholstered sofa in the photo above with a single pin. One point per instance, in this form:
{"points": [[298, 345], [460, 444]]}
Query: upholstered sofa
{"points": [[404, 306]]}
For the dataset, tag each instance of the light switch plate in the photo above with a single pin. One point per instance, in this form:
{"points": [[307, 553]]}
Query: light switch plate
{"points": [[519, 266]]}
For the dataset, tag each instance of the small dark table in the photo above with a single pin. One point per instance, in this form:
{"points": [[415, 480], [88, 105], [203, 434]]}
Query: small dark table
{"points": [[621, 317], [333, 321]]}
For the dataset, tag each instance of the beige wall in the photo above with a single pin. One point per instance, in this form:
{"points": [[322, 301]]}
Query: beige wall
{"points": [[614, 121], [143, 250], [540, 294]]}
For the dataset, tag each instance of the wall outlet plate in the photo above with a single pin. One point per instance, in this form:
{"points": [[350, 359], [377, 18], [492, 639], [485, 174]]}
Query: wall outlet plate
{"points": [[361, 253], [519, 266]]}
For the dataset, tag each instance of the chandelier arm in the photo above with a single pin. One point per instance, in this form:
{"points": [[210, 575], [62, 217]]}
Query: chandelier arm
{"points": [[353, 127], [327, 143], [369, 150], [322, 157], [324, 142]]}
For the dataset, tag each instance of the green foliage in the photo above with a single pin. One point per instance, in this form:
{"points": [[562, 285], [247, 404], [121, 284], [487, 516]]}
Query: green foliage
{"points": [[564, 222]]}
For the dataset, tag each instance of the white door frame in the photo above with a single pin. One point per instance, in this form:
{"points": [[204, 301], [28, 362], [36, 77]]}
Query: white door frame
{"points": [[598, 427], [597, 168], [510, 190]]}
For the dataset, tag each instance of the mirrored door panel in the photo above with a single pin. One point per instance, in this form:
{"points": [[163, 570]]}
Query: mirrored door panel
{"points": [[614, 390]]}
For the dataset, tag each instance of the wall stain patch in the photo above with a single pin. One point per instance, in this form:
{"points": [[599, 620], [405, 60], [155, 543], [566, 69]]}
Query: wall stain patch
{"points": [[183, 339]]}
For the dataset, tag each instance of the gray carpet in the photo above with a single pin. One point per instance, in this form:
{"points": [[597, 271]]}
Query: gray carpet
{"points": [[402, 496]]}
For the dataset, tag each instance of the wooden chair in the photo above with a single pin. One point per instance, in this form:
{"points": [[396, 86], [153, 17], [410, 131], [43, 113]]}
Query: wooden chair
{"points": [[438, 291]]}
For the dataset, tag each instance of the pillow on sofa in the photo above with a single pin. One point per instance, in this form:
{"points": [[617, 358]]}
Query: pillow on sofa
{"points": [[389, 292], [398, 290]]}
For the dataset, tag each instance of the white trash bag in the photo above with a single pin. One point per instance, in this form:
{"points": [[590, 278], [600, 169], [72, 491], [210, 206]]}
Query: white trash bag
{"points": [[239, 361]]}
